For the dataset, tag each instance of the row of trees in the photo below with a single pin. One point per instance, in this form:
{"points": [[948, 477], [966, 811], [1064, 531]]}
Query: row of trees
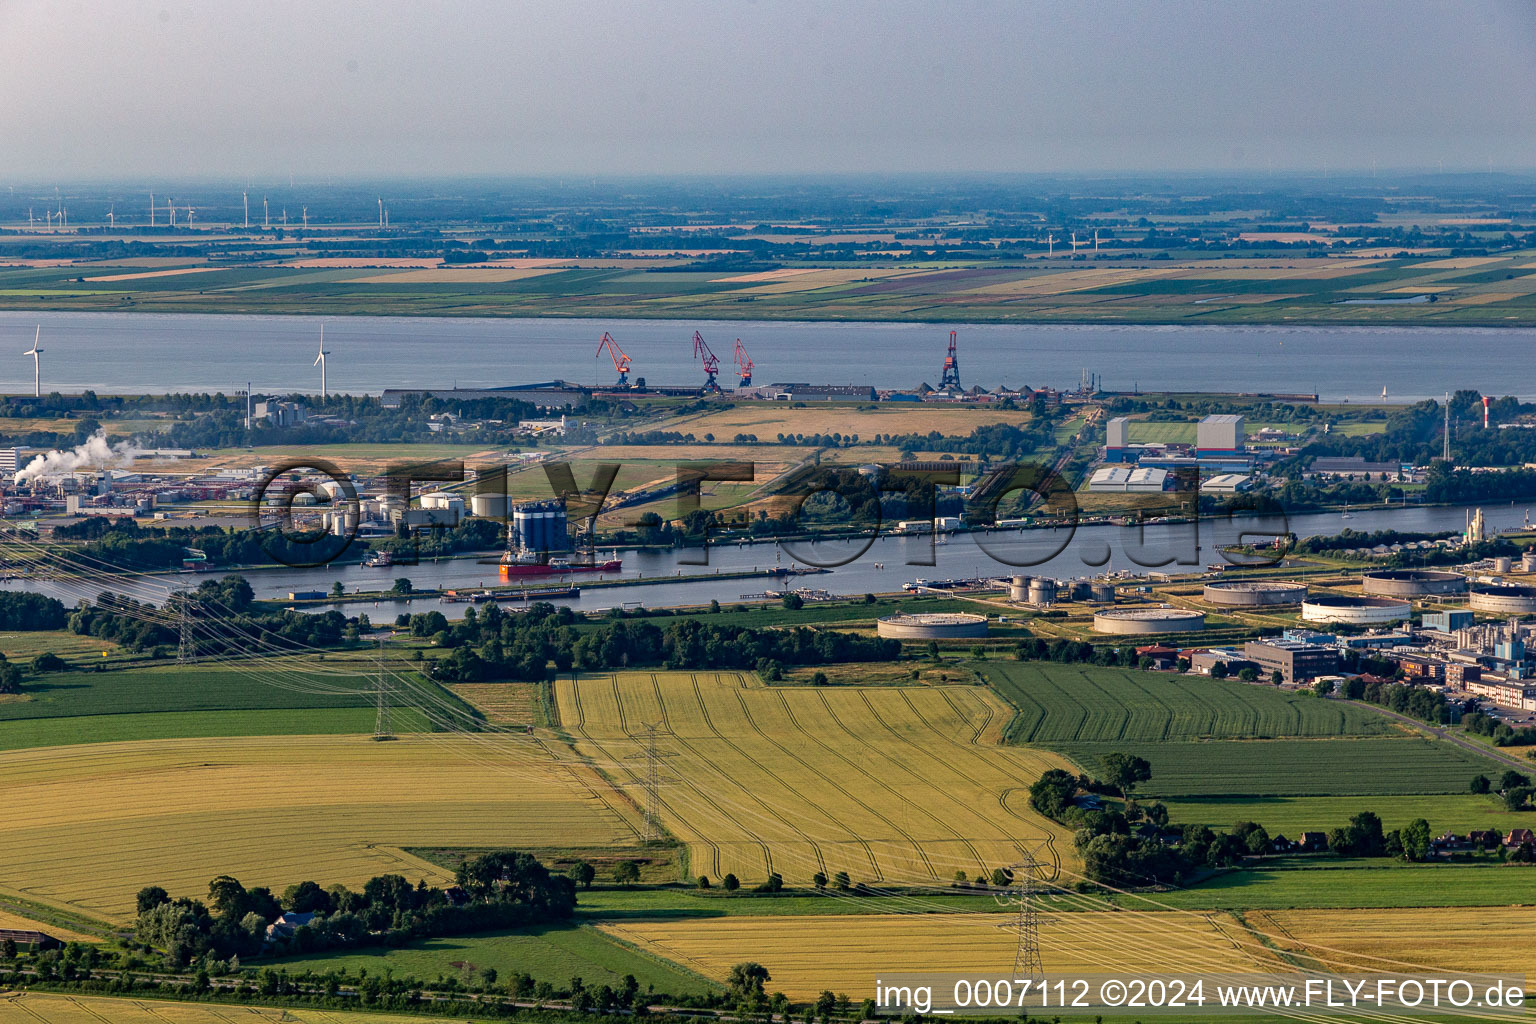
{"points": [[494, 645], [506, 889]]}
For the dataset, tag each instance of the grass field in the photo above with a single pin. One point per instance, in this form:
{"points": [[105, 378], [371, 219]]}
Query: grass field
{"points": [[769, 419], [19, 734], [1338, 767], [555, 955], [1289, 815], [891, 784], [87, 826], [277, 683], [846, 953], [1084, 703]]}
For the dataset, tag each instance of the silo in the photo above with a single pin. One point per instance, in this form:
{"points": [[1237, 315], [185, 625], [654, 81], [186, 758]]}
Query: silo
{"points": [[1018, 590], [520, 538], [1042, 591], [559, 539], [1103, 592]]}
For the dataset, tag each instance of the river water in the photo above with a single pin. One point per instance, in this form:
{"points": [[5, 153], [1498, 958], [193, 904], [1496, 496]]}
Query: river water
{"points": [[856, 567], [134, 353]]}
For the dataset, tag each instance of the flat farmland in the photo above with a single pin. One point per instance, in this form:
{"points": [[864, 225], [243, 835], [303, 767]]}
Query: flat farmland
{"points": [[87, 826], [769, 419], [555, 955], [846, 953], [52, 1008], [1485, 939], [895, 785], [1288, 815], [1059, 704], [1347, 766]]}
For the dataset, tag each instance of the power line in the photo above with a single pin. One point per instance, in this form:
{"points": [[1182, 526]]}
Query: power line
{"points": [[1025, 895], [184, 644], [381, 716]]}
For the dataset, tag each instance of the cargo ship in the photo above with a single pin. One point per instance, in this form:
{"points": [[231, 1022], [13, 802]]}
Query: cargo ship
{"points": [[537, 536]]}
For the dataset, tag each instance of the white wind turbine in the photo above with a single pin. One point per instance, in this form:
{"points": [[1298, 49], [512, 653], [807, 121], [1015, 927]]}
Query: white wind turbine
{"points": [[37, 364], [1050, 241], [320, 360]]}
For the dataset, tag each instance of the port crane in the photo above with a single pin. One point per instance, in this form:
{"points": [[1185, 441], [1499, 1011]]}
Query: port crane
{"points": [[711, 361], [620, 360], [743, 365], [951, 377]]}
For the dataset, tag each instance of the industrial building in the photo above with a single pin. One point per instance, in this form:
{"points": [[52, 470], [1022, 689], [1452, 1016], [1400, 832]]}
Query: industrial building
{"points": [[1227, 483], [822, 393], [553, 394], [1449, 621], [1117, 440], [1218, 436], [1128, 480], [1294, 660]]}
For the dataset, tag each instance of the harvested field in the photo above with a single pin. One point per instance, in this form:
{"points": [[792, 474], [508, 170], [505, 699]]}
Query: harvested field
{"points": [[895, 785], [1459, 939], [453, 275], [846, 953], [156, 273], [16, 921], [767, 420], [51, 1008], [503, 703], [87, 826]]}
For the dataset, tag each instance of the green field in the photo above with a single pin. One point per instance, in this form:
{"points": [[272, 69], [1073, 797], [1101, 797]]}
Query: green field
{"points": [[1322, 884], [1337, 767], [277, 683], [52, 732], [1069, 704], [1288, 815], [555, 955]]}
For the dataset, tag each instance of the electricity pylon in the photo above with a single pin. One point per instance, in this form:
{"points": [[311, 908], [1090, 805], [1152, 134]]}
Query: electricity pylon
{"points": [[381, 700], [1024, 894]]}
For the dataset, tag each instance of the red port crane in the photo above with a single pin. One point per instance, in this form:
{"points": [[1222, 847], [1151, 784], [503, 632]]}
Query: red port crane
{"points": [[711, 361], [951, 377], [743, 365], [620, 360]]}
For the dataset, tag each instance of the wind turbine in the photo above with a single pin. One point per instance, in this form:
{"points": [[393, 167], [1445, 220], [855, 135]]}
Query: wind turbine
{"points": [[306, 218], [266, 220], [1095, 239], [189, 216], [245, 198], [37, 364], [1075, 242], [151, 209], [320, 360], [112, 218], [1050, 242]]}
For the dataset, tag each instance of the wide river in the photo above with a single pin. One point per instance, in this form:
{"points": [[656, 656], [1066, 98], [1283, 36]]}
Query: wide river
{"points": [[885, 565], [129, 353]]}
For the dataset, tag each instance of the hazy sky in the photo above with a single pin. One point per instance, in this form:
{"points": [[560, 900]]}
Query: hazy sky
{"points": [[252, 88]]}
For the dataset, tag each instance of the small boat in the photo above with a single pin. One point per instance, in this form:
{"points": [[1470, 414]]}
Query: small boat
{"points": [[379, 559]]}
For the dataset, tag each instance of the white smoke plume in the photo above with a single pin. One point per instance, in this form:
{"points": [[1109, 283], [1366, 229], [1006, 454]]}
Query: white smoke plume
{"points": [[95, 453]]}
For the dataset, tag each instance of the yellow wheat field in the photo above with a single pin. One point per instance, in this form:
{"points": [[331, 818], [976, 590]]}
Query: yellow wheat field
{"points": [[87, 826], [16, 921], [846, 953], [48, 1008], [893, 785], [1490, 939]]}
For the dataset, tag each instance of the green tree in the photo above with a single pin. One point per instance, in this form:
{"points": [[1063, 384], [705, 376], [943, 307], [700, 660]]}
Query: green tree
{"points": [[1126, 770], [626, 872], [402, 586], [841, 882], [583, 874], [730, 882], [794, 602], [1277, 677], [703, 882], [1511, 779], [1414, 838], [1516, 798], [746, 980], [819, 880], [337, 590], [1480, 784]]}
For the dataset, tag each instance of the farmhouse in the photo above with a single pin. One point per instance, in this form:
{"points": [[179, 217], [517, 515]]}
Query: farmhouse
{"points": [[286, 925], [1519, 837]]}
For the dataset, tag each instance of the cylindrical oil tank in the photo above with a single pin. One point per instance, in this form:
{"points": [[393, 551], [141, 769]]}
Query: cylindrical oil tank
{"points": [[1018, 589], [488, 506], [1502, 564], [1528, 560], [1042, 591], [1103, 593], [1081, 590]]}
